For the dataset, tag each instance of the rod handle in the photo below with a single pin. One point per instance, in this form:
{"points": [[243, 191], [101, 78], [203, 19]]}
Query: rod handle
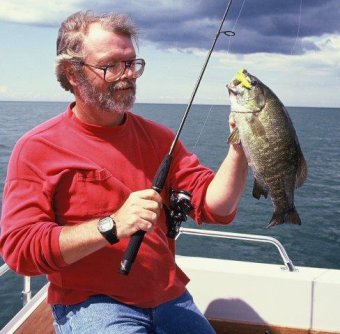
{"points": [[137, 238], [162, 173]]}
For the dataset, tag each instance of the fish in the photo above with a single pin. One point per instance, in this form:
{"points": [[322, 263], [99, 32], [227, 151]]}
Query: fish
{"points": [[265, 130]]}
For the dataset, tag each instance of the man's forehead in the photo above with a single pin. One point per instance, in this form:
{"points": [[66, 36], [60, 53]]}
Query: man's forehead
{"points": [[100, 41], [95, 31], [97, 35]]}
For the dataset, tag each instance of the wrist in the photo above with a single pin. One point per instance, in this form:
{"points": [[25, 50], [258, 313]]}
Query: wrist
{"points": [[236, 154], [107, 228]]}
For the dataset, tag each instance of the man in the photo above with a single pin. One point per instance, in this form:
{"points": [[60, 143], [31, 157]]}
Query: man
{"points": [[79, 185]]}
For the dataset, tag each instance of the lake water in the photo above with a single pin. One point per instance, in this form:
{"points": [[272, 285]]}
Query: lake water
{"points": [[316, 243]]}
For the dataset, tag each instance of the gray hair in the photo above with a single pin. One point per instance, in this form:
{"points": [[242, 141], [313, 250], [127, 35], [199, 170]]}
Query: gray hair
{"points": [[71, 36]]}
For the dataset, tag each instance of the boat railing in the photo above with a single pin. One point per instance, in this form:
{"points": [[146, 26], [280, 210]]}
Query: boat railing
{"points": [[27, 292], [245, 237]]}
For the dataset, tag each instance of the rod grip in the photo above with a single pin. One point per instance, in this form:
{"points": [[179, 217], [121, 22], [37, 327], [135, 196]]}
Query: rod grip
{"points": [[131, 252], [162, 173], [137, 238]]}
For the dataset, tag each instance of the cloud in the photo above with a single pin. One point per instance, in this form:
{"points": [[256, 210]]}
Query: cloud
{"points": [[36, 12], [280, 26], [315, 66], [311, 79]]}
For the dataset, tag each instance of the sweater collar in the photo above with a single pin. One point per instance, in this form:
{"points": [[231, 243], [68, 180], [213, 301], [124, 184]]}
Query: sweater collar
{"points": [[96, 130]]}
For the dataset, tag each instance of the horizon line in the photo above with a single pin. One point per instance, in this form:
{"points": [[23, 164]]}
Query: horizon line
{"points": [[174, 103]]}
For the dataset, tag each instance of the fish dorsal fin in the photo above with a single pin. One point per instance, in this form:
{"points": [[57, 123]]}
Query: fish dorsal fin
{"points": [[302, 171], [234, 137]]}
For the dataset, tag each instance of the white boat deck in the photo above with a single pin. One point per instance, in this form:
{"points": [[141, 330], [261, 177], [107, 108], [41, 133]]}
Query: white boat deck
{"points": [[257, 293], [266, 298]]}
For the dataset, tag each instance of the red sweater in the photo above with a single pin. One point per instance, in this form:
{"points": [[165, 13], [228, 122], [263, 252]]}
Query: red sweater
{"points": [[66, 172]]}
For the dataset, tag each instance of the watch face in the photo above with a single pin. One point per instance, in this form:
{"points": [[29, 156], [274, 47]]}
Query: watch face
{"points": [[105, 224]]}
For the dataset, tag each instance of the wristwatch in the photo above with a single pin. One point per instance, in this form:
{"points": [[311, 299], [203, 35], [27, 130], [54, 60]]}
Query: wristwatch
{"points": [[107, 227]]}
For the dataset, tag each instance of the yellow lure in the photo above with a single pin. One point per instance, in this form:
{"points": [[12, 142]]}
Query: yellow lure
{"points": [[240, 76]]}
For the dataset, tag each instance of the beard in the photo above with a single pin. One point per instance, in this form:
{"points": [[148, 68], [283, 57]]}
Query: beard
{"points": [[116, 98]]}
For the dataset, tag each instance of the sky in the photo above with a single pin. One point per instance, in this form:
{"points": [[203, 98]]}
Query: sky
{"points": [[293, 46]]}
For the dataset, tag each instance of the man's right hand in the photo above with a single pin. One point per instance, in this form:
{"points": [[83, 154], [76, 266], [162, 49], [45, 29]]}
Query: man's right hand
{"points": [[139, 212]]}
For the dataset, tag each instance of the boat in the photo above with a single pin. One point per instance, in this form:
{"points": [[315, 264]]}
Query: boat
{"points": [[237, 297]]}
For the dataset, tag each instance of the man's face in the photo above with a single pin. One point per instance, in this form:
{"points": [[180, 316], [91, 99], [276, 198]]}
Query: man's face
{"points": [[105, 48]]}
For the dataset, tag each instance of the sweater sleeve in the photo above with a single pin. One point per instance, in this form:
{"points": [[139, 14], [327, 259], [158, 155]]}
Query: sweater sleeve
{"points": [[29, 241], [188, 174]]}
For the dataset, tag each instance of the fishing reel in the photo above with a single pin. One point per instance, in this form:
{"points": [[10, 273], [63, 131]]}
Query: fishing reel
{"points": [[180, 206]]}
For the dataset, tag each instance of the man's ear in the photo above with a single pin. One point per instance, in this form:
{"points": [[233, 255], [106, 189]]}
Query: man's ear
{"points": [[71, 77]]}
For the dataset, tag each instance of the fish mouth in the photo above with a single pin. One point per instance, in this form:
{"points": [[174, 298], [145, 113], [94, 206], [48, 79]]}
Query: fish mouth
{"points": [[232, 90]]}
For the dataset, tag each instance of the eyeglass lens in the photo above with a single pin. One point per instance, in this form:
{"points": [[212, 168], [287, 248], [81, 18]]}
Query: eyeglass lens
{"points": [[115, 71]]}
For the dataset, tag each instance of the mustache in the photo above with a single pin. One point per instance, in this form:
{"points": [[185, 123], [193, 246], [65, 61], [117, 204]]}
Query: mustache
{"points": [[123, 84]]}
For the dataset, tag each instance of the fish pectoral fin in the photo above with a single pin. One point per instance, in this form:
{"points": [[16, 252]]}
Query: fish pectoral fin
{"points": [[302, 171], [256, 127], [258, 190], [234, 137]]}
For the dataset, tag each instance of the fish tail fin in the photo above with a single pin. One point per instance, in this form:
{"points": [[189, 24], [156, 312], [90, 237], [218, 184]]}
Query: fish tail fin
{"points": [[290, 216]]}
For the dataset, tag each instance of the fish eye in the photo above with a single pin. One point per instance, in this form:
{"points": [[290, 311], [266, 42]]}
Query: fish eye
{"points": [[253, 82]]}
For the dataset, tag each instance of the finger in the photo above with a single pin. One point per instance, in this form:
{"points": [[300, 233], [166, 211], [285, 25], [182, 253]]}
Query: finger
{"points": [[149, 194], [135, 221], [146, 216], [150, 205], [144, 225], [232, 122], [143, 200]]}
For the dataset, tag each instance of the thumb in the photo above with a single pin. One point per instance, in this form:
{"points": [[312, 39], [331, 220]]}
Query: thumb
{"points": [[232, 122]]}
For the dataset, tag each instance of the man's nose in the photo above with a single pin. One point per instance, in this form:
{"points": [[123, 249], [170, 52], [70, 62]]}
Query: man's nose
{"points": [[128, 73]]}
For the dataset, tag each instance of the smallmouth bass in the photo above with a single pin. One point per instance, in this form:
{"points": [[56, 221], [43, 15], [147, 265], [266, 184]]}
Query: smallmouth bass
{"points": [[270, 143]]}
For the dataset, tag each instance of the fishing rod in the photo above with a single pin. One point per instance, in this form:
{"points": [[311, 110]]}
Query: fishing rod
{"points": [[163, 170]]}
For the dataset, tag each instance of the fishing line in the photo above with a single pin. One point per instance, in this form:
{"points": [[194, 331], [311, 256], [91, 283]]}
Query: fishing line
{"points": [[202, 128], [229, 33], [239, 15], [235, 24], [298, 29]]}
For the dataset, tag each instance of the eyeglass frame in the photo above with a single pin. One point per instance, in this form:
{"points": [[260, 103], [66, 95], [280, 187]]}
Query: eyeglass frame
{"points": [[127, 64]]}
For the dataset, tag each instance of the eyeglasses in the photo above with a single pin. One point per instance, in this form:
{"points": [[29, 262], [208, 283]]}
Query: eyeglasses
{"points": [[115, 71]]}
